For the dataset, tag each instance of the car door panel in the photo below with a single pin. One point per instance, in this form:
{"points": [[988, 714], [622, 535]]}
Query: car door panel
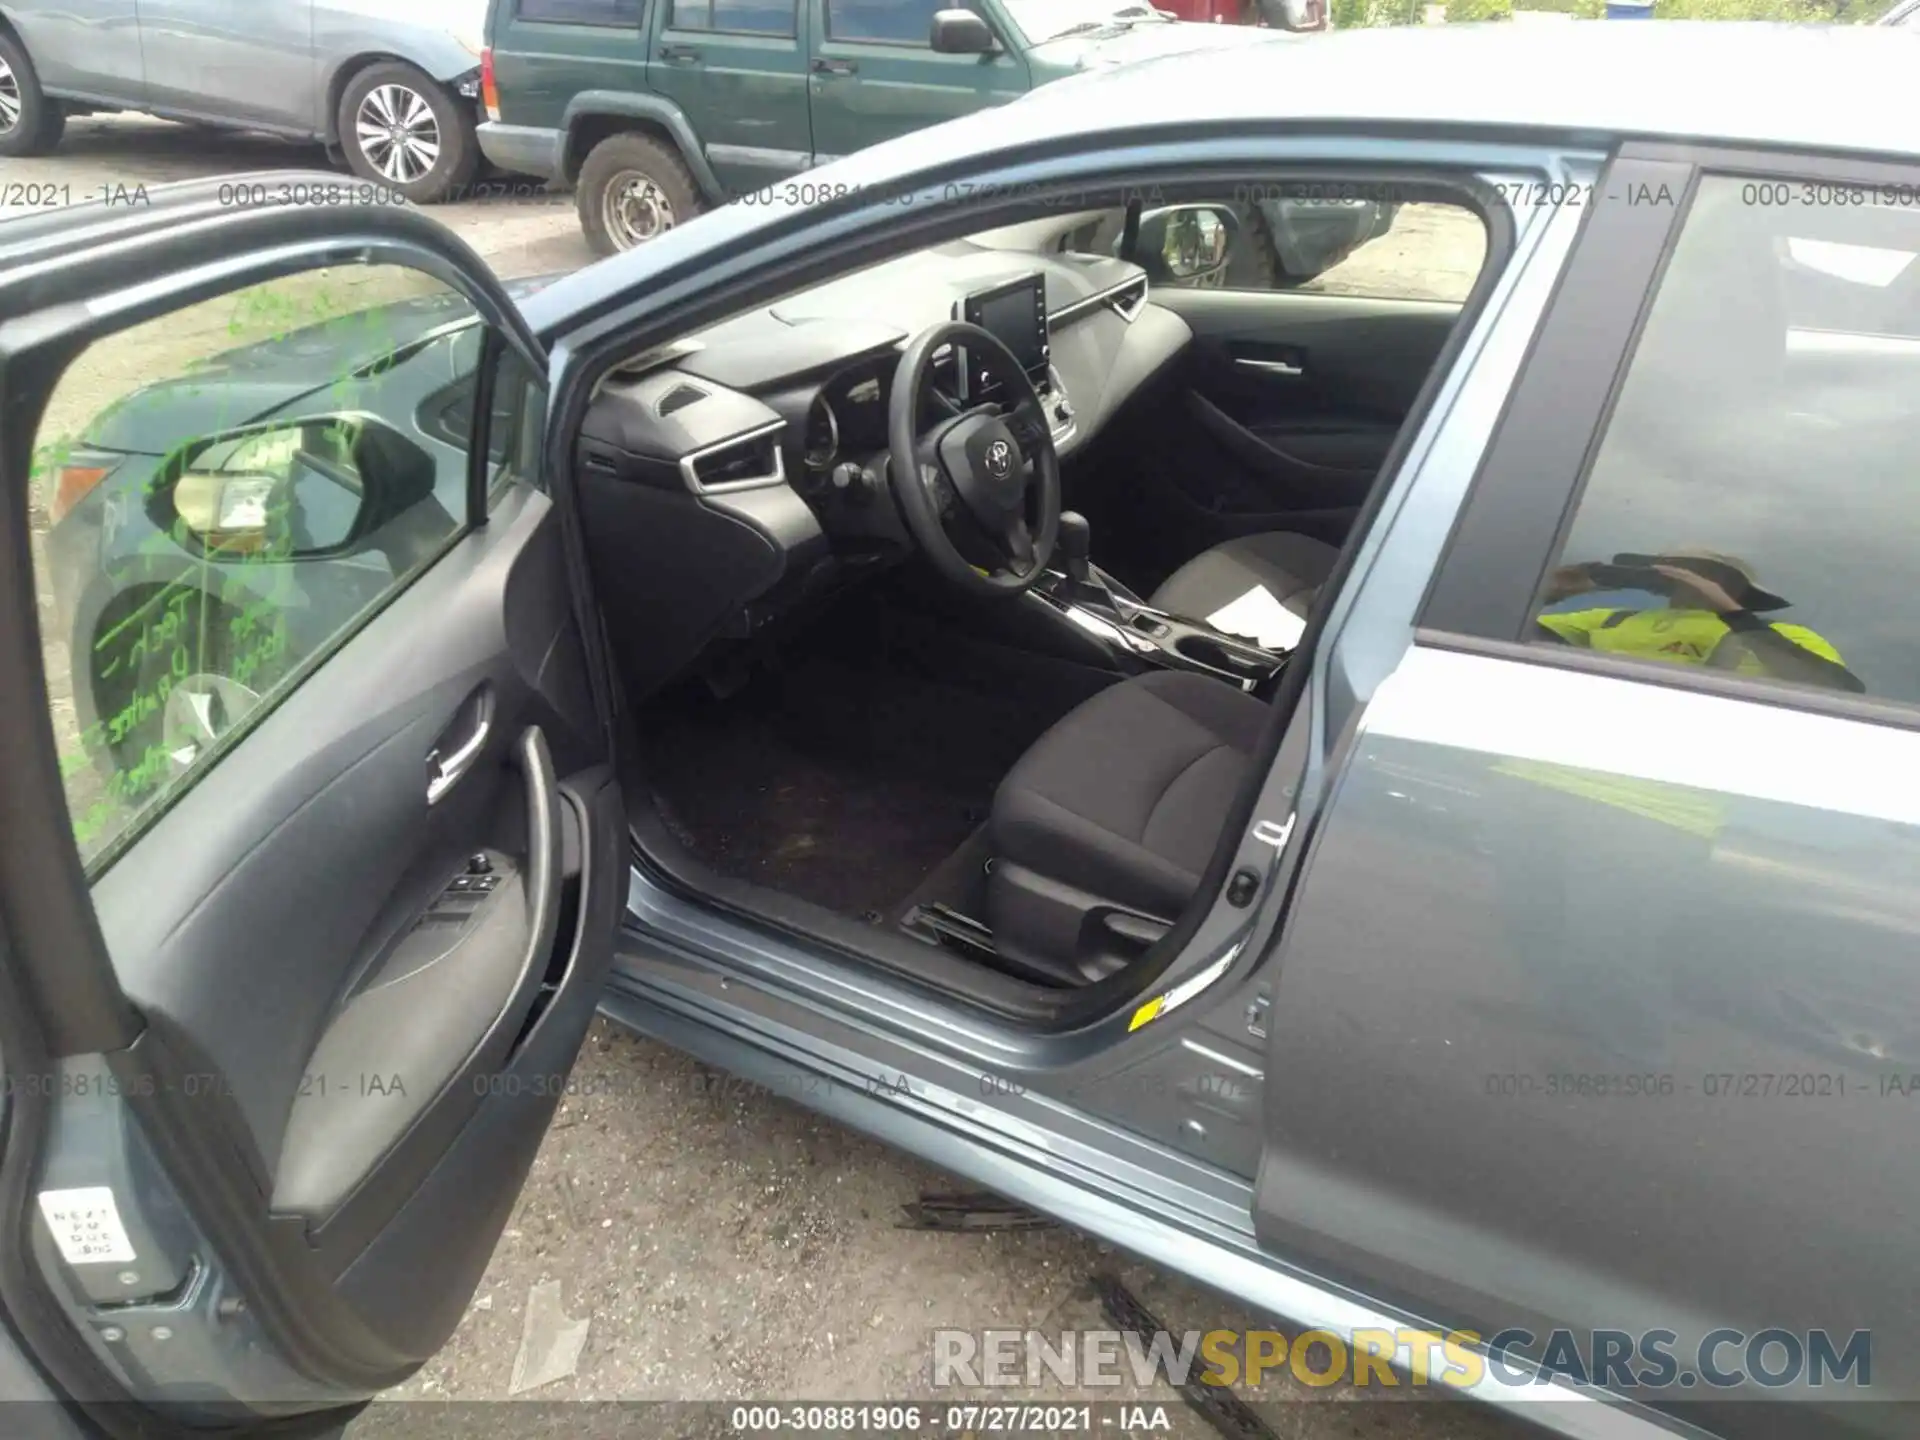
{"points": [[85, 47], [737, 69], [233, 59], [873, 75], [1614, 957], [1273, 360], [355, 949], [349, 1097]]}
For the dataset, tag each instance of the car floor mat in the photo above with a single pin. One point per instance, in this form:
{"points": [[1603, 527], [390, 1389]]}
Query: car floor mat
{"points": [[974, 1210], [1216, 1404]]}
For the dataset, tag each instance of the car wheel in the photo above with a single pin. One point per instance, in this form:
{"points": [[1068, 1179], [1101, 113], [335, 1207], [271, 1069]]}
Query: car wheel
{"points": [[30, 122], [633, 189], [400, 128], [1260, 265]]}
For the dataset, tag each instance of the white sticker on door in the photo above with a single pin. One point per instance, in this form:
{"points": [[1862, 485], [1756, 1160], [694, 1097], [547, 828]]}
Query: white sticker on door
{"points": [[86, 1226]]}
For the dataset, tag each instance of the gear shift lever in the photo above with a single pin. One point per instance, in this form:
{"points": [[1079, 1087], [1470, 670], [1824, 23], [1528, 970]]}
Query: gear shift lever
{"points": [[1084, 586], [1076, 543]]}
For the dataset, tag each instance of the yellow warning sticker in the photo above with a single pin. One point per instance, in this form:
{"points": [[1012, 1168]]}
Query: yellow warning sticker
{"points": [[1147, 1011]]}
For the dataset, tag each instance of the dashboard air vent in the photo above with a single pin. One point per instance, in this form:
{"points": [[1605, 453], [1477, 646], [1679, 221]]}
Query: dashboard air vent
{"points": [[740, 464], [679, 398]]}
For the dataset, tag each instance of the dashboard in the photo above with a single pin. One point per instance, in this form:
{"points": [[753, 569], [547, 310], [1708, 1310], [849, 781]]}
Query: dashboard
{"points": [[733, 477]]}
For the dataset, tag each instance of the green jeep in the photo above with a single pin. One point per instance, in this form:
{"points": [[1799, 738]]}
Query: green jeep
{"points": [[655, 110]]}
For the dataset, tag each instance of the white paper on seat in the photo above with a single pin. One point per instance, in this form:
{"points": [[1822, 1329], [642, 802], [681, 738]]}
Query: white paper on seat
{"points": [[1260, 618]]}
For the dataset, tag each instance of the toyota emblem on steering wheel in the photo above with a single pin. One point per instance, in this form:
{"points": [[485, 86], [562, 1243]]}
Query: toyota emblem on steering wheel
{"points": [[1000, 459]]}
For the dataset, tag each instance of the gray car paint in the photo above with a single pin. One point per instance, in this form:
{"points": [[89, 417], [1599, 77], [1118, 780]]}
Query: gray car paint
{"points": [[691, 964], [274, 65], [1167, 1125], [1382, 716]]}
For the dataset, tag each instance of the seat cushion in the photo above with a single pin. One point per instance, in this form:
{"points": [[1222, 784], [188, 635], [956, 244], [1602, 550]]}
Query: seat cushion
{"points": [[1290, 567], [1126, 796]]}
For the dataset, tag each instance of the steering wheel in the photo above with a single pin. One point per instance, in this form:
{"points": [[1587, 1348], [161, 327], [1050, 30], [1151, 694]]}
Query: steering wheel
{"points": [[983, 484]]}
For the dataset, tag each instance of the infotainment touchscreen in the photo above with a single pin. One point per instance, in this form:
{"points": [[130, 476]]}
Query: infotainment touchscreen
{"points": [[1014, 313]]}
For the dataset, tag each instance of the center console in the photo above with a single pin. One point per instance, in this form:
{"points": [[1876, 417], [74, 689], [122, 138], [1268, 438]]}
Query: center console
{"points": [[1131, 635], [1123, 630]]}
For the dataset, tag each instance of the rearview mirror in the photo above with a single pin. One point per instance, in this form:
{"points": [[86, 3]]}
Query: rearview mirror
{"points": [[961, 32], [289, 489], [1186, 245]]}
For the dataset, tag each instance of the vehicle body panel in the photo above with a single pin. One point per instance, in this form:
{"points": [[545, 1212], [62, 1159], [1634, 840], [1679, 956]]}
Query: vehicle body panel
{"points": [[279, 67], [441, 37], [251, 63], [543, 70], [879, 88], [547, 70], [1533, 878], [1466, 858], [744, 95], [83, 47]]}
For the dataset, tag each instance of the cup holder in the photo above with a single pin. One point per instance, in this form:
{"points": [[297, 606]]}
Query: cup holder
{"points": [[1204, 650]]}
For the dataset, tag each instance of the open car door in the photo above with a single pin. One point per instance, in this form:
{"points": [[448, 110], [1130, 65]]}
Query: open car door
{"points": [[313, 852]]}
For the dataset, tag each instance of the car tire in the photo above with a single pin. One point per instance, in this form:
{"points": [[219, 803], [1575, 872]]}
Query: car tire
{"points": [[631, 189], [31, 122], [399, 127], [1263, 267]]}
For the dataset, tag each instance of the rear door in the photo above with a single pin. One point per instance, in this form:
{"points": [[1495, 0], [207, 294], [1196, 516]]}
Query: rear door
{"points": [[232, 59], [875, 75], [1599, 978], [85, 47], [314, 852], [738, 69]]}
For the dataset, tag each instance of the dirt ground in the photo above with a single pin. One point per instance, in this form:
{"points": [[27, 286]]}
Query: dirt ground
{"points": [[680, 1242]]}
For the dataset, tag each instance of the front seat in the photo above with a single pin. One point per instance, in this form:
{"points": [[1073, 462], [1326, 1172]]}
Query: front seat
{"points": [[1290, 567], [1106, 825]]}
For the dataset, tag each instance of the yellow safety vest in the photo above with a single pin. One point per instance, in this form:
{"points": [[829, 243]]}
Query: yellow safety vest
{"points": [[1686, 637]]}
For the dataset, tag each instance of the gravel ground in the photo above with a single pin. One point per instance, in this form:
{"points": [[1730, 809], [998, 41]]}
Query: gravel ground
{"points": [[679, 1241]]}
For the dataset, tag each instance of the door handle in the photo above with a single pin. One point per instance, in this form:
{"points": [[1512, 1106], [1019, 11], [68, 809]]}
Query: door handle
{"points": [[680, 54], [1271, 367], [447, 764], [834, 67]]}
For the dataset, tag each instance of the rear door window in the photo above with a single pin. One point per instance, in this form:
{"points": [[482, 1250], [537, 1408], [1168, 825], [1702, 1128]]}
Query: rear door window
{"points": [[1752, 506]]}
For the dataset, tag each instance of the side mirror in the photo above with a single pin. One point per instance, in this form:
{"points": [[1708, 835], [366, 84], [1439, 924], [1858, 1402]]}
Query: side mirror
{"points": [[962, 32], [1185, 244], [289, 489]]}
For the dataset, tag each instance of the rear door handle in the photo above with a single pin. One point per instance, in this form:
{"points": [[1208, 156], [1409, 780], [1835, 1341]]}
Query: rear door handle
{"points": [[834, 67], [450, 760], [680, 53]]}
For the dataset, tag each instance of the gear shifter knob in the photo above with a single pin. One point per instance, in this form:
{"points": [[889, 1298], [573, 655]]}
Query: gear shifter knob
{"points": [[1076, 543]]}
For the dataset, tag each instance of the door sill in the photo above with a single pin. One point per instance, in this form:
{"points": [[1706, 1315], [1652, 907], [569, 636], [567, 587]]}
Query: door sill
{"points": [[743, 917]]}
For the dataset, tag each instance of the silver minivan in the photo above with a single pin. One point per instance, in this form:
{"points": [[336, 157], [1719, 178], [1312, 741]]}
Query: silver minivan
{"points": [[392, 90]]}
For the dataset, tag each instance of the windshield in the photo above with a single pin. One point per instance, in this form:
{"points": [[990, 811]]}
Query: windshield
{"points": [[1042, 20]]}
